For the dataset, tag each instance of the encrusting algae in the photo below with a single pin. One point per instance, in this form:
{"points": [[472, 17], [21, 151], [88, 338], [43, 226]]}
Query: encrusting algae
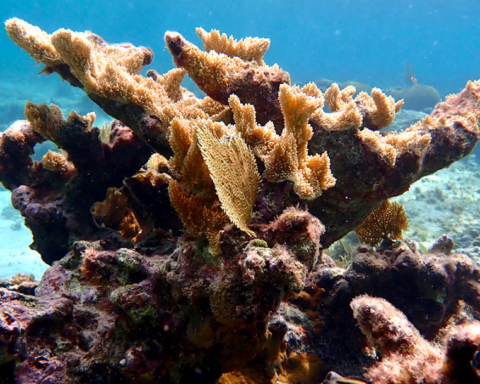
{"points": [[258, 168]]}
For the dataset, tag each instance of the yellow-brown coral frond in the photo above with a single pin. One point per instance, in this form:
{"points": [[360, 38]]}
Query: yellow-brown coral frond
{"points": [[34, 41], [348, 117], [393, 144], [289, 159], [198, 218], [317, 173], [336, 99], [55, 162], [234, 172], [297, 106], [409, 141], [385, 222], [112, 71], [344, 111], [171, 82], [214, 110], [261, 139], [376, 111], [48, 120], [282, 162], [377, 143], [181, 138], [252, 48], [381, 108]]}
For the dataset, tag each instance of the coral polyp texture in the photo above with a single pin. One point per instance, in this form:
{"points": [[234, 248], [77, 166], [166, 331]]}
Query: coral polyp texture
{"points": [[386, 222], [186, 236]]}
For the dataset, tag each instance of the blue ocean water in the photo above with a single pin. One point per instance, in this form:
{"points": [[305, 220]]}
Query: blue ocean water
{"points": [[368, 41], [361, 40]]}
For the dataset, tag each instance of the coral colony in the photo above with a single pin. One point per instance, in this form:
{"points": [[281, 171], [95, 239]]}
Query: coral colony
{"points": [[187, 237]]}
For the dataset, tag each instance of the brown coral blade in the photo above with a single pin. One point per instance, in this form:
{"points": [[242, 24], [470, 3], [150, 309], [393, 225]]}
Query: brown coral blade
{"points": [[198, 218], [379, 110], [109, 71], [385, 222], [47, 120], [56, 162], [297, 106], [372, 166], [110, 212], [374, 112], [252, 48], [34, 41], [289, 159], [109, 74], [234, 171], [261, 139], [219, 76]]}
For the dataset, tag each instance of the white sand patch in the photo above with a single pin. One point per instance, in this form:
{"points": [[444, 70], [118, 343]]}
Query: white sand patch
{"points": [[446, 202], [15, 255]]}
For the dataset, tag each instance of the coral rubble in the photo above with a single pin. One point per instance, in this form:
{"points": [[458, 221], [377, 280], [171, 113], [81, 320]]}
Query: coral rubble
{"points": [[186, 237]]}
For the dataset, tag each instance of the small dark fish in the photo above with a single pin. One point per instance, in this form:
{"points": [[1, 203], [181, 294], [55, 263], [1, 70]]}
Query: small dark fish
{"points": [[476, 361], [335, 378]]}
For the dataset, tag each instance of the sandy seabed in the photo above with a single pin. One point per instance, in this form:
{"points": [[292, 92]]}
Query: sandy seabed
{"points": [[15, 238]]}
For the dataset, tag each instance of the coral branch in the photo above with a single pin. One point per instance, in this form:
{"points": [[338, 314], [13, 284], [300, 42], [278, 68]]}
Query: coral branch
{"points": [[371, 167], [368, 166], [407, 358], [220, 76], [248, 49], [56, 201], [289, 159]]}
